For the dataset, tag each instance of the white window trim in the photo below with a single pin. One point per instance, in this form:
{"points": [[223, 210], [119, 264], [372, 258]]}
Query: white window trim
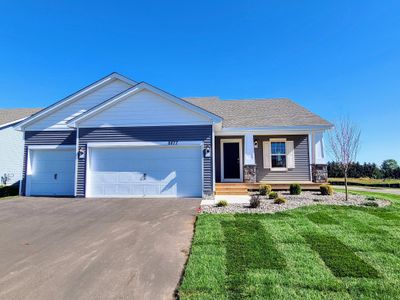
{"points": [[276, 140], [223, 179]]}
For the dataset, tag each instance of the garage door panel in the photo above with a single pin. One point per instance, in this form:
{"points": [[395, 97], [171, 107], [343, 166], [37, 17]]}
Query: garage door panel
{"points": [[170, 171], [46, 177], [52, 172]]}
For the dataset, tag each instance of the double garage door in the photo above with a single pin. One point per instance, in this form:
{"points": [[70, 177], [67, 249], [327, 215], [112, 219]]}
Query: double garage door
{"points": [[152, 171]]}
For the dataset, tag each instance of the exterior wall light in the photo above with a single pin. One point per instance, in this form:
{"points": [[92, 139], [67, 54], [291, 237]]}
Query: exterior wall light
{"points": [[256, 144], [207, 151], [81, 152]]}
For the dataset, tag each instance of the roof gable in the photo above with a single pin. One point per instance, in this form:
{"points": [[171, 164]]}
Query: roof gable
{"points": [[144, 105], [118, 83]]}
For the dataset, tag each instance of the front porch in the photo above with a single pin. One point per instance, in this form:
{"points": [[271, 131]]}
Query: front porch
{"points": [[224, 188], [243, 162]]}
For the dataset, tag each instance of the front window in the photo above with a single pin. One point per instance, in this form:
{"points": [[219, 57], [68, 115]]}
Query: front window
{"points": [[278, 154]]}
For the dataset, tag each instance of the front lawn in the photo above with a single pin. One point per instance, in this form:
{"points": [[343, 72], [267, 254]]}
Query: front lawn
{"points": [[389, 183], [314, 252]]}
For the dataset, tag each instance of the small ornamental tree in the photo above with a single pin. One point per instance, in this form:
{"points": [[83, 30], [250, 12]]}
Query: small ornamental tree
{"points": [[344, 144]]}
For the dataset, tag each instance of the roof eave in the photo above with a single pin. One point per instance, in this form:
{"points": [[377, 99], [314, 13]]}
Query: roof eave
{"points": [[281, 128], [64, 101]]}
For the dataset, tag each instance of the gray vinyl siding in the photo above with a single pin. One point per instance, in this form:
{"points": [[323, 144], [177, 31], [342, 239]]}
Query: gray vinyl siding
{"points": [[301, 172], [44, 138], [146, 134]]}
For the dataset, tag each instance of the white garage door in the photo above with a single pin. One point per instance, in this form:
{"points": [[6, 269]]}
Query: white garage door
{"points": [[51, 172], [145, 172]]}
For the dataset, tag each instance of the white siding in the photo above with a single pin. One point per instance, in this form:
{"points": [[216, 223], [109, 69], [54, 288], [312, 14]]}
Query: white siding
{"points": [[11, 153], [58, 119], [145, 109]]}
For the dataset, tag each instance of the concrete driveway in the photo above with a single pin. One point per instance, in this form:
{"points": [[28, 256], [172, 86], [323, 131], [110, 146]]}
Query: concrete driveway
{"points": [[60, 248]]}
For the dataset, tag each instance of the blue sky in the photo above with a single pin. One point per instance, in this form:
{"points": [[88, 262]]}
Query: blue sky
{"points": [[337, 58]]}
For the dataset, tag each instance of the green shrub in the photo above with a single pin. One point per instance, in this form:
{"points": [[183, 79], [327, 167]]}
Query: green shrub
{"points": [[222, 203], [372, 204], [6, 191], [371, 198], [255, 201], [265, 189], [326, 189], [295, 189], [280, 200], [273, 195]]}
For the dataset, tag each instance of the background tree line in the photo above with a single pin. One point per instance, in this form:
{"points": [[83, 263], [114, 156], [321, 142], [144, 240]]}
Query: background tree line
{"points": [[388, 169]]}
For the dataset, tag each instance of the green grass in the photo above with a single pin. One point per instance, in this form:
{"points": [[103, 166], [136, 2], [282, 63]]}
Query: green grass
{"points": [[315, 252], [389, 183]]}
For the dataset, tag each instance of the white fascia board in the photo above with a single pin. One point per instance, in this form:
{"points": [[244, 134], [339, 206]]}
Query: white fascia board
{"points": [[123, 78], [50, 147], [11, 123], [82, 92], [134, 90], [271, 130], [144, 144]]}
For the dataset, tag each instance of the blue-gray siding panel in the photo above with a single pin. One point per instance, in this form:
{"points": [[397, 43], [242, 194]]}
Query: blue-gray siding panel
{"points": [[44, 138], [147, 134], [301, 172]]}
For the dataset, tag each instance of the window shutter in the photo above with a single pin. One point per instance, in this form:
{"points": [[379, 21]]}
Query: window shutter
{"points": [[290, 154], [267, 155]]}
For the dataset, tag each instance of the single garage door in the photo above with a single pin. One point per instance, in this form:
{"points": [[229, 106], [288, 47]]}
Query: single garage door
{"points": [[154, 171], [51, 172]]}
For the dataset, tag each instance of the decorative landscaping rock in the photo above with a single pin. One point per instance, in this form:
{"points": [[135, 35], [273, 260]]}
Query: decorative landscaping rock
{"points": [[293, 201]]}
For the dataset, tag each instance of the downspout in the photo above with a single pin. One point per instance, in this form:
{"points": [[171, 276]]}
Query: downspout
{"points": [[213, 157], [310, 153], [76, 162]]}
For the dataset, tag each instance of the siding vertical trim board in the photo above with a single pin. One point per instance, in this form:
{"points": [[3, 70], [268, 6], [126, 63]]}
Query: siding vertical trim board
{"points": [[145, 134], [44, 138]]}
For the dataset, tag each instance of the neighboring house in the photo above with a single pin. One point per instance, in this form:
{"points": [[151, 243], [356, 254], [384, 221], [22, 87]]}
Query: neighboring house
{"points": [[12, 144], [121, 138]]}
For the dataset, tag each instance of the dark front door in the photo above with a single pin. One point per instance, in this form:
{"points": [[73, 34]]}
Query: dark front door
{"points": [[231, 164]]}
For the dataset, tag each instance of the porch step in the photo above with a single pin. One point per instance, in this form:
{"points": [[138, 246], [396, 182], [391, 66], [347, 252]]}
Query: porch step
{"points": [[244, 188], [231, 189], [221, 193]]}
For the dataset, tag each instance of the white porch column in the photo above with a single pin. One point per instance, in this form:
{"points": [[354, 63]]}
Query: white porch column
{"points": [[249, 157], [249, 168], [318, 148], [319, 168]]}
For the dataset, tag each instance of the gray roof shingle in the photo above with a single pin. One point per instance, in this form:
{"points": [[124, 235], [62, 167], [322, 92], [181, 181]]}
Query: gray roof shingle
{"points": [[259, 112], [236, 113], [8, 115]]}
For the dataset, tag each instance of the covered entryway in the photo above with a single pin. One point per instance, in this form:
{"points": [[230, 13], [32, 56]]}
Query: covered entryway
{"points": [[51, 171], [231, 160], [144, 171]]}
